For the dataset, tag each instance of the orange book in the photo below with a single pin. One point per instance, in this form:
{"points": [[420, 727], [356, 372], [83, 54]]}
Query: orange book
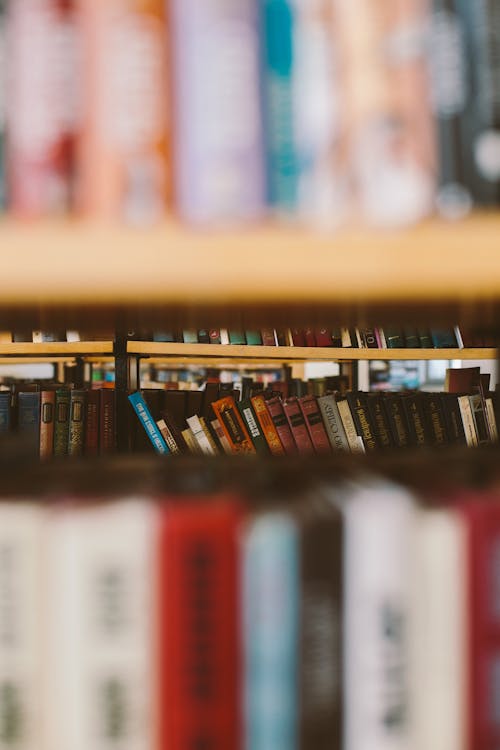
{"points": [[232, 425], [267, 425], [124, 145]]}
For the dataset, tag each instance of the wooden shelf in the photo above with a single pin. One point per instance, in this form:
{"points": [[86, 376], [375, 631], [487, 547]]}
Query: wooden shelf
{"points": [[73, 263], [285, 354], [55, 350]]}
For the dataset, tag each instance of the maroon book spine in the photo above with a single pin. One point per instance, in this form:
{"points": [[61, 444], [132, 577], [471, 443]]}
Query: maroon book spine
{"points": [[298, 337], [268, 337], [92, 424], [323, 337], [107, 441], [314, 423], [309, 337], [275, 409], [298, 426]]}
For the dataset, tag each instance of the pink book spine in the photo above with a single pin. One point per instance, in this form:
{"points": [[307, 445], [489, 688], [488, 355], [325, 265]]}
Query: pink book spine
{"points": [[298, 426], [42, 100], [315, 425], [275, 409], [124, 147]]}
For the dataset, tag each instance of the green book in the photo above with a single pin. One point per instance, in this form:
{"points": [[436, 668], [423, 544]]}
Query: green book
{"points": [[253, 338], [61, 421], [237, 337]]}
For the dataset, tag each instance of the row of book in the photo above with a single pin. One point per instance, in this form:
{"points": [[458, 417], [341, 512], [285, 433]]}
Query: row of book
{"points": [[319, 612], [327, 111], [271, 421]]}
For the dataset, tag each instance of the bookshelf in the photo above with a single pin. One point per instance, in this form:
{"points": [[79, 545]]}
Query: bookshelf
{"points": [[54, 349], [435, 263]]}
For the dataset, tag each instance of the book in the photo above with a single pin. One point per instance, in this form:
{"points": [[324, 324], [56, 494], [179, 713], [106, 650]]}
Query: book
{"points": [[227, 413], [297, 421], [275, 408], [91, 447], [190, 336], [253, 338], [355, 441], [221, 437], [76, 429], [267, 425], [5, 411], [47, 415], [323, 337], [107, 421], [219, 167], [100, 599], [361, 417], [397, 420], [41, 108], [190, 441], [333, 423], [435, 419], [123, 161], [148, 423], [268, 337], [453, 419], [203, 336], [254, 429], [237, 337], [271, 631], [61, 422], [298, 337], [214, 336], [167, 436], [468, 422], [378, 418], [309, 337], [199, 433], [200, 674], [369, 338], [22, 657], [314, 422], [418, 430], [444, 338], [28, 419]]}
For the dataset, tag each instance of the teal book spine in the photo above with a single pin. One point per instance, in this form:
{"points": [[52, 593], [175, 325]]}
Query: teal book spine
{"points": [[277, 20], [150, 427], [271, 582]]}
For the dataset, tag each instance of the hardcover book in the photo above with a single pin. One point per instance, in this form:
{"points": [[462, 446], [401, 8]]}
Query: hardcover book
{"points": [[76, 429], [61, 422], [107, 421], [298, 426], [219, 169], [254, 429], [5, 411], [275, 409], [92, 423], [148, 423], [333, 423], [47, 415], [361, 417], [314, 423], [227, 413], [268, 427]]}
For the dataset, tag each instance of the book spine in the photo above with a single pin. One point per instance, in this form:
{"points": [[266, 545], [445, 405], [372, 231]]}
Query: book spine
{"points": [[278, 28], [107, 422], [5, 411], [379, 421], [444, 338], [396, 419], [21, 648], [369, 338], [76, 431], [268, 337], [298, 337], [28, 419], [314, 422], [199, 435], [254, 430], [124, 160], [394, 338], [203, 336], [41, 111], [378, 629], [492, 423], [3, 100], [191, 443], [219, 170], [214, 336], [275, 408], [453, 419], [237, 337], [333, 423], [323, 337], [221, 437], [61, 422], [416, 420], [267, 425], [99, 594], [92, 423], [298, 426], [478, 409], [148, 423], [47, 415], [435, 419], [355, 441], [190, 336], [234, 428], [200, 674], [167, 436], [361, 417], [253, 338], [468, 421], [271, 631]]}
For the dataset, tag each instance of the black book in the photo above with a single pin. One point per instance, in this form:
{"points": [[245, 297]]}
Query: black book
{"points": [[379, 420], [453, 419], [397, 420], [174, 402], [412, 339], [194, 404], [436, 422], [362, 421], [413, 404]]}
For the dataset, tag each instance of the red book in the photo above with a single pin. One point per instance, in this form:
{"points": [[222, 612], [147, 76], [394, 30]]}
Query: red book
{"points": [[482, 518], [323, 337], [214, 336], [92, 423], [268, 337], [309, 337], [199, 625], [298, 337], [298, 426], [107, 437], [275, 409], [314, 423]]}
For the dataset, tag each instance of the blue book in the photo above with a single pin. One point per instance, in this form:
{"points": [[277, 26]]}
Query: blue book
{"points": [[271, 581], [147, 421], [5, 399], [277, 20]]}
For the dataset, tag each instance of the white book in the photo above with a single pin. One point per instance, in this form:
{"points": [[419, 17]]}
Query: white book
{"points": [[199, 435], [468, 421], [100, 592], [378, 580], [439, 703], [491, 419], [345, 337], [21, 616], [355, 441]]}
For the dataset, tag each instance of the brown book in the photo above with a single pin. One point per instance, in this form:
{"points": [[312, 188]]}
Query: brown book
{"points": [[107, 426], [47, 413], [314, 423], [92, 423], [275, 408], [227, 413], [268, 337], [298, 426], [76, 432], [267, 425], [323, 337]]}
